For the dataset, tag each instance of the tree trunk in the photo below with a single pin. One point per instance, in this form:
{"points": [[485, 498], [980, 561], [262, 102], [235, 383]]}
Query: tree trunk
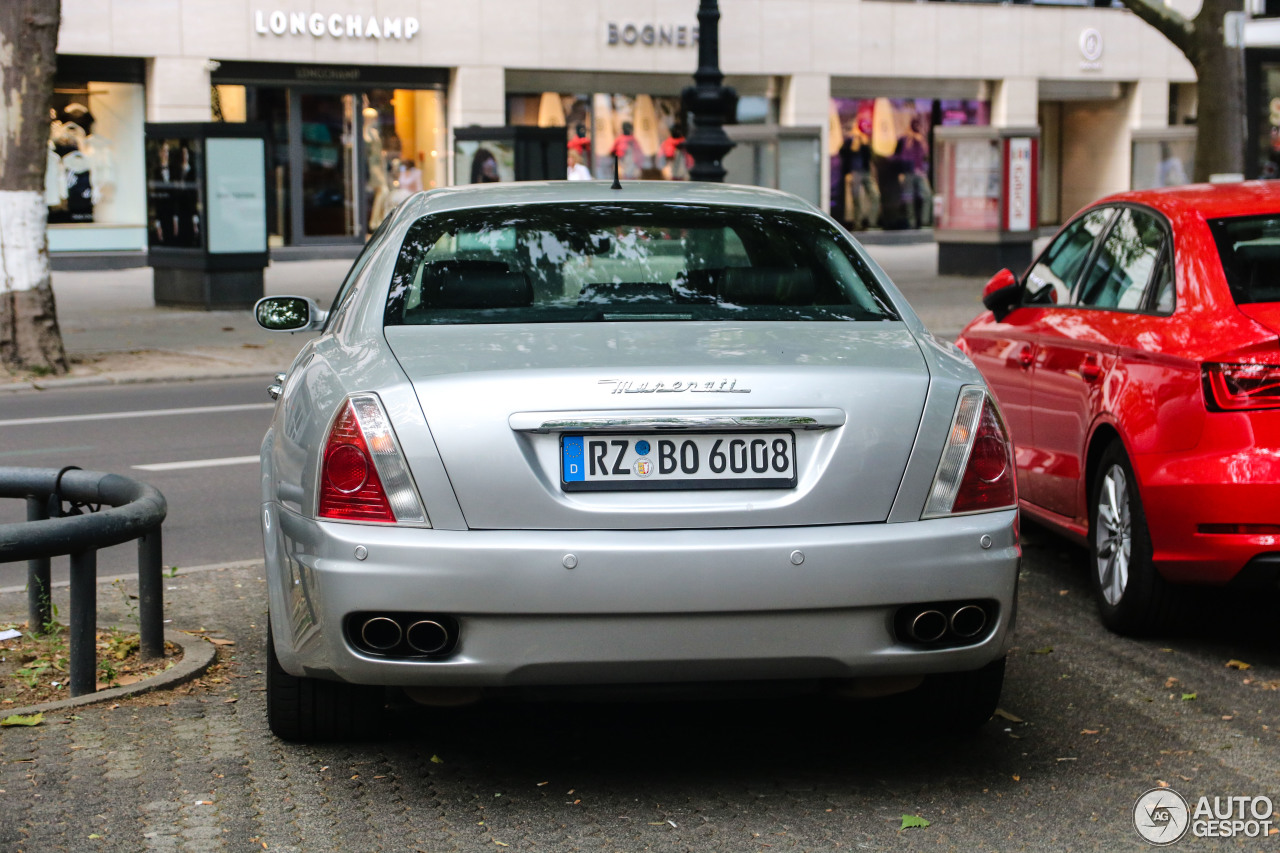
{"points": [[1220, 115], [29, 334], [1220, 109]]}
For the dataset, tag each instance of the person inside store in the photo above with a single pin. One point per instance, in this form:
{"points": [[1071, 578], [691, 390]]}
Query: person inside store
{"points": [[917, 195], [410, 177], [578, 170], [581, 143]]}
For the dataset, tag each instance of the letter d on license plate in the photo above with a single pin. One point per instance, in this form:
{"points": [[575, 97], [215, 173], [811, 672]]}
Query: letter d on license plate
{"points": [[734, 460]]}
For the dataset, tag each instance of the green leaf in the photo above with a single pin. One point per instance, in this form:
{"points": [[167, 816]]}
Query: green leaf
{"points": [[1188, 697], [22, 720], [911, 821], [435, 759]]}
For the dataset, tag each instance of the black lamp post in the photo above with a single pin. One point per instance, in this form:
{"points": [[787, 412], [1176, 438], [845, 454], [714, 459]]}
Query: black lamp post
{"points": [[709, 102]]}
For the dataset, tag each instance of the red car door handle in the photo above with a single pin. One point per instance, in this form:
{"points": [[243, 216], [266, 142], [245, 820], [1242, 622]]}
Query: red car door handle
{"points": [[1024, 356], [1090, 370]]}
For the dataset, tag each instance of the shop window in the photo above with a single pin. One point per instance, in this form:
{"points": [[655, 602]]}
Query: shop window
{"points": [[94, 175], [881, 157], [647, 132]]}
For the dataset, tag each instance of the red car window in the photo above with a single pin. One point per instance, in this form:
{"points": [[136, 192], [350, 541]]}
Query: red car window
{"points": [[1121, 268]]}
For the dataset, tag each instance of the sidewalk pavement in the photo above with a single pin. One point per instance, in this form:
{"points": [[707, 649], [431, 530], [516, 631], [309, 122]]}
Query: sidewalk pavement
{"points": [[113, 333]]}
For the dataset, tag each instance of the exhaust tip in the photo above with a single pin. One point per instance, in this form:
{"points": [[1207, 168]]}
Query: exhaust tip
{"points": [[381, 633], [928, 626], [968, 621], [427, 636]]}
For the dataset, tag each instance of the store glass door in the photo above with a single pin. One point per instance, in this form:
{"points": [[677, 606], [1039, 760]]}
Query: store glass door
{"points": [[325, 143]]}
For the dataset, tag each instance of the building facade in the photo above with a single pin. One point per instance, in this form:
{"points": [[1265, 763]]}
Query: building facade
{"points": [[360, 98]]}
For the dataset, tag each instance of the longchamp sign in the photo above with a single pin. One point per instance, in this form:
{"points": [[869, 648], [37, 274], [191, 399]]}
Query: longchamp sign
{"points": [[319, 25]]}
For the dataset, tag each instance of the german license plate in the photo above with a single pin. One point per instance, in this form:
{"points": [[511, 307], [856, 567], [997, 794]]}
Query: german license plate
{"points": [[741, 460]]}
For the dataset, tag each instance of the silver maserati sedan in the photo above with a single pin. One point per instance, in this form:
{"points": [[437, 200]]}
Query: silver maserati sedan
{"points": [[565, 435]]}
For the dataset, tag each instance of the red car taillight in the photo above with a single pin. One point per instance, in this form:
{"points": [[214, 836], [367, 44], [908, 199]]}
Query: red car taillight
{"points": [[360, 456], [1241, 387], [976, 472]]}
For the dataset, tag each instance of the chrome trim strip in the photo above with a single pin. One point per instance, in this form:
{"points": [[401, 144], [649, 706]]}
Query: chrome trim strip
{"points": [[547, 422]]}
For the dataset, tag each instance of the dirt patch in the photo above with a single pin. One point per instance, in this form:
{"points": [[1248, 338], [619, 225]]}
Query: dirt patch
{"points": [[34, 666]]}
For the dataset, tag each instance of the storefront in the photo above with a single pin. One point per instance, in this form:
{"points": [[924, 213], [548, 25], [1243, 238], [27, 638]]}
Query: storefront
{"points": [[95, 183], [346, 143], [838, 101]]}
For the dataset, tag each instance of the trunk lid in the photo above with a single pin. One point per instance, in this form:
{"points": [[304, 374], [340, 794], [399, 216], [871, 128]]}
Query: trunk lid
{"points": [[485, 389]]}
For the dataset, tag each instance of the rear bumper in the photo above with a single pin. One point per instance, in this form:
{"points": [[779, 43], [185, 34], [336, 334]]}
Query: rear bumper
{"points": [[1184, 491], [638, 606]]}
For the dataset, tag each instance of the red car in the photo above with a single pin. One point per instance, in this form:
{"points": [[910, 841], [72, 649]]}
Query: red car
{"points": [[1137, 363]]}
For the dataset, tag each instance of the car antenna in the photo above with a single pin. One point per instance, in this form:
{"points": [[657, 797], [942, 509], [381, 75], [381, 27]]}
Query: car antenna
{"points": [[617, 184]]}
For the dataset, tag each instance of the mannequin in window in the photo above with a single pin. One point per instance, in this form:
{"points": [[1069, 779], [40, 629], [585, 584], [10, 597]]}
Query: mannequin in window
{"points": [[627, 149], [376, 183], [581, 144]]}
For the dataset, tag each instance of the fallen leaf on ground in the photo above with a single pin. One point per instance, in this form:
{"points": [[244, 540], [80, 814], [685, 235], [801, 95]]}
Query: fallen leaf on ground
{"points": [[1187, 697], [1089, 731], [22, 720], [1237, 664], [911, 821], [218, 641], [1005, 715], [1162, 783], [1047, 650], [1017, 778], [1170, 681], [435, 759]]}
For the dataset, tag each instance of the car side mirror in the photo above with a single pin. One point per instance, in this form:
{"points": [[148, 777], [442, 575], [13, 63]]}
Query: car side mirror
{"points": [[289, 314], [1001, 294]]}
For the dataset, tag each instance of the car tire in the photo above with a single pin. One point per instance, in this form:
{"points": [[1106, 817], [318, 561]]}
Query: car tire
{"points": [[307, 710], [1133, 599]]}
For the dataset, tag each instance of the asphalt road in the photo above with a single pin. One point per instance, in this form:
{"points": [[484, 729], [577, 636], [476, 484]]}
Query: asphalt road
{"points": [[211, 427]]}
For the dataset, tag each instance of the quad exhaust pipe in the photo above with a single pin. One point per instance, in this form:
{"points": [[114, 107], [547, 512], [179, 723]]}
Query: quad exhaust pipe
{"points": [[943, 624], [402, 635]]}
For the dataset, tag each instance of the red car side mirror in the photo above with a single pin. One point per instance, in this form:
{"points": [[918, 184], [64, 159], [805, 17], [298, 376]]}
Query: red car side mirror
{"points": [[1001, 294]]}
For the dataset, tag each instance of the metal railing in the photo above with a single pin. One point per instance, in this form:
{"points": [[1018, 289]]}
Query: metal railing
{"points": [[119, 510]]}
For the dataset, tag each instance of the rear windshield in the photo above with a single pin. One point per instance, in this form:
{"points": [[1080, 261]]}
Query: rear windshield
{"points": [[586, 263], [1250, 250]]}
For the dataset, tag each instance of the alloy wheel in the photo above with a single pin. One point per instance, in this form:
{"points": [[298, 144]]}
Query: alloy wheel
{"points": [[1113, 534]]}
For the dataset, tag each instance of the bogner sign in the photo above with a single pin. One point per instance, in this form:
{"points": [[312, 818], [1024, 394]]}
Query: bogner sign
{"points": [[319, 25]]}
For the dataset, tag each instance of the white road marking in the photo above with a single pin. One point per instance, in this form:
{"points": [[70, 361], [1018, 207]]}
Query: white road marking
{"points": [[137, 413], [196, 463]]}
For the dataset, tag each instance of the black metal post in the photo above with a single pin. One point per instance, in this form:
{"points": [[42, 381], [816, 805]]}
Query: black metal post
{"points": [[151, 595], [83, 657], [39, 593], [711, 103]]}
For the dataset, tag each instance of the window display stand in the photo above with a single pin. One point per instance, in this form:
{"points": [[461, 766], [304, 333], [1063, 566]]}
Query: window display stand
{"points": [[987, 198], [206, 214]]}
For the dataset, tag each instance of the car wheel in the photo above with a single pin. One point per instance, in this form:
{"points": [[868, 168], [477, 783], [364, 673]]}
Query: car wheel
{"points": [[313, 709], [1133, 599]]}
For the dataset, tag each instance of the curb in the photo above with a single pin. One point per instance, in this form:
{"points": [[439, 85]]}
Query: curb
{"points": [[108, 379], [198, 655]]}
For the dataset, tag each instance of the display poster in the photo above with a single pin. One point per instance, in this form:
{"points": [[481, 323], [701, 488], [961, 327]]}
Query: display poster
{"points": [[483, 162], [237, 187], [1020, 201], [972, 178], [174, 206]]}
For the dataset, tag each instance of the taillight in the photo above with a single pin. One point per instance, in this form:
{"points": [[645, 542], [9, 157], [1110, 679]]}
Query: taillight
{"points": [[976, 472], [1241, 387], [363, 475]]}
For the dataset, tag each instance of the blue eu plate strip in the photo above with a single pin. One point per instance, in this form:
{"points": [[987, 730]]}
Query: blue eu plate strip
{"points": [[571, 459]]}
